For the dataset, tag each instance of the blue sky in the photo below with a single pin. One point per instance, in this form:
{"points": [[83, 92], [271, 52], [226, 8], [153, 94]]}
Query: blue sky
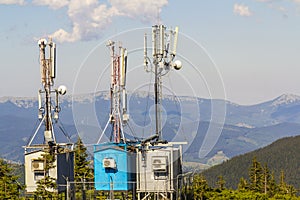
{"points": [[244, 51]]}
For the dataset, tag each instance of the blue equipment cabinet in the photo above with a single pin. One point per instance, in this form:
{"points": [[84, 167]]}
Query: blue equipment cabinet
{"points": [[114, 167]]}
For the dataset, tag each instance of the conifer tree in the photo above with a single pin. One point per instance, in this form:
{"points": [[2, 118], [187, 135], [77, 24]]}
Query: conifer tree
{"points": [[46, 187], [282, 185], [9, 186], [200, 187], [221, 183], [83, 171], [243, 185], [266, 179], [273, 188], [256, 176], [284, 188]]}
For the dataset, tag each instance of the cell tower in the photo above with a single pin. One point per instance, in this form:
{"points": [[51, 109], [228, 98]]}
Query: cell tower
{"points": [[158, 161], [164, 46], [48, 114], [118, 113], [114, 161]]}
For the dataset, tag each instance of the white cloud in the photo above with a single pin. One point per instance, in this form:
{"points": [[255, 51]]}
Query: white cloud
{"points": [[54, 4], [9, 2], [90, 17], [146, 9], [282, 9], [242, 10]]}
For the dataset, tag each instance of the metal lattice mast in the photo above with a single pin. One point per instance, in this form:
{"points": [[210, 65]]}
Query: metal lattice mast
{"points": [[48, 110], [47, 78], [118, 116]]}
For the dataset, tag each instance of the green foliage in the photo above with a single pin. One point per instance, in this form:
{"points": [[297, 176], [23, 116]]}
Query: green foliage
{"points": [[255, 175], [83, 171], [243, 184], [200, 187], [280, 155], [284, 188], [272, 186], [221, 183], [9, 185], [46, 187], [260, 185], [235, 194]]}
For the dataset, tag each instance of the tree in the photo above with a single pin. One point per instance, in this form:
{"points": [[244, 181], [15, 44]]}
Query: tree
{"points": [[273, 188], [256, 176], [221, 183], [46, 187], [200, 187], [284, 188], [266, 179], [261, 186], [243, 185], [83, 171], [9, 186]]}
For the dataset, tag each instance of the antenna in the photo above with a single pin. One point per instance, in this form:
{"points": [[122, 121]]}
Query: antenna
{"points": [[175, 42], [145, 51], [38, 166], [162, 62], [118, 111], [158, 17], [47, 112], [52, 47]]}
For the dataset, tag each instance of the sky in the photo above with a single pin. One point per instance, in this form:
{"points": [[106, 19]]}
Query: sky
{"points": [[244, 51]]}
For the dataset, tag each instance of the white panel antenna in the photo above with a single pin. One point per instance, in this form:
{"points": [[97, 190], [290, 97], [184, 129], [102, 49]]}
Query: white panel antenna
{"points": [[53, 59]]}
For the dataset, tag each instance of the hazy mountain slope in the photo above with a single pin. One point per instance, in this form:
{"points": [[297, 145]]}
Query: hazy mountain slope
{"points": [[246, 127], [15, 132], [285, 108], [235, 140]]}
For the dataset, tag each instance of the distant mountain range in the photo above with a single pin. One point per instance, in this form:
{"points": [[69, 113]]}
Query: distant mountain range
{"points": [[191, 119]]}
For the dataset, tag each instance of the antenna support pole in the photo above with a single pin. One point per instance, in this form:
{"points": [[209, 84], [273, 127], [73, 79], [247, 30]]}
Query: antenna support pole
{"points": [[162, 63], [46, 109]]}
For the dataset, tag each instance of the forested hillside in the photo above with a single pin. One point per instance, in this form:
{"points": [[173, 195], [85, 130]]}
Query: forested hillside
{"points": [[281, 156]]}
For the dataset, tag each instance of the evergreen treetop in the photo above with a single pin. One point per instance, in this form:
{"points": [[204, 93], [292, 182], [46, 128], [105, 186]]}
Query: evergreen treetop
{"points": [[9, 185]]}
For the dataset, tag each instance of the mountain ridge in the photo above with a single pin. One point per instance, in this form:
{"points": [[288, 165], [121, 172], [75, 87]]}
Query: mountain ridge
{"points": [[245, 128], [286, 98]]}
